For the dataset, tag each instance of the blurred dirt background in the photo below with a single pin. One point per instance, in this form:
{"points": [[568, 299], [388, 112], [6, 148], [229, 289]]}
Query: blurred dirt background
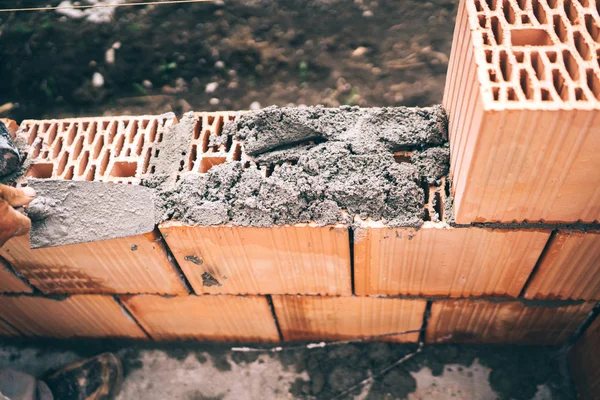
{"points": [[222, 55]]}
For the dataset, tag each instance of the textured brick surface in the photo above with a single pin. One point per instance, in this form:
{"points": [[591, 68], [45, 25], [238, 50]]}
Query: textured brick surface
{"points": [[584, 360], [522, 96], [228, 318], [331, 318], [481, 321], [435, 261], [302, 259], [104, 149], [7, 330], [9, 282], [135, 264], [92, 316], [569, 269]]}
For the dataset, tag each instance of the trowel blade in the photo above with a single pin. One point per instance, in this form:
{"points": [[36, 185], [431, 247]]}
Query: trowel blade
{"points": [[69, 212]]}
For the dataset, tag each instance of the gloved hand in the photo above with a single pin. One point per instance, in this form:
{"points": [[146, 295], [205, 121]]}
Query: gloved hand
{"points": [[12, 222]]}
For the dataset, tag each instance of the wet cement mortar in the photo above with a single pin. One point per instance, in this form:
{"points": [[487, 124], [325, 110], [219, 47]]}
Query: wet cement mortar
{"points": [[195, 370], [327, 165]]}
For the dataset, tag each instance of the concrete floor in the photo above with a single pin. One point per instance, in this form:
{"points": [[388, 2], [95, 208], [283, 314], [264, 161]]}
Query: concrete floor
{"points": [[206, 371]]}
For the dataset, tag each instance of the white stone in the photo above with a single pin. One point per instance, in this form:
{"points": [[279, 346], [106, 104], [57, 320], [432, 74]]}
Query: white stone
{"points": [[255, 105], [214, 101], [97, 80], [147, 84], [211, 87], [116, 45], [109, 56]]}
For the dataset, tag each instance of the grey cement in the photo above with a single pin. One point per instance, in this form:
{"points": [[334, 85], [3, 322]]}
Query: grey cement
{"points": [[9, 154], [328, 166], [67, 212]]}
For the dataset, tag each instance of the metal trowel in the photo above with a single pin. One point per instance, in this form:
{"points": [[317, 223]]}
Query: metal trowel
{"points": [[69, 212]]}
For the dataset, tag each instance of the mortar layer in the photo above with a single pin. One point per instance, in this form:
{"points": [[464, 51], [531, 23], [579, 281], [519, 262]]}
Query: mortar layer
{"points": [[66, 212], [328, 165]]}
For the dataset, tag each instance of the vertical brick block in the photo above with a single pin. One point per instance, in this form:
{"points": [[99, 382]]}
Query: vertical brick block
{"points": [[85, 316], [135, 264], [228, 318], [303, 258], [332, 318], [584, 359], [569, 269], [437, 261], [480, 321], [523, 99], [9, 282]]}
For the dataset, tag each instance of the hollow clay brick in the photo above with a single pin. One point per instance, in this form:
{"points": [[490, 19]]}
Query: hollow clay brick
{"points": [[303, 258], [223, 318], [437, 260], [569, 268], [85, 316], [11, 283], [333, 318], [523, 99], [135, 264], [481, 321], [104, 149], [584, 359]]}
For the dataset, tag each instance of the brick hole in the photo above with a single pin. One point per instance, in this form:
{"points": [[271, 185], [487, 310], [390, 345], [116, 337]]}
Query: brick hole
{"points": [[41, 171], [104, 125], [546, 95], [593, 82], [91, 175], [526, 84], [482, 20], [37, 149], [592, 27], [134, 131], [112, 133], [492, 4], [246, 165], [152, 169], [71, 132], [152, 131], [488, 56], [52, 134], [584, 3], [582, 47], [426, 216], [438, 205], [146, 161], [144, 123], [207, 163], [425, 188], [485, 38], [98, 147], [268, 170], [128, 153], [62, 164], [140, 145], [579, 95], [119, 146], [497, 30], [571, 12], [492, 75], [560, 28], [219, 125], [559, 85], [478, 6], [156, 153], [538, 66], [539, 12], [511, 94], [104, 162], [402, 157], [197, 128], [192, 157], [505, 66], [211, 119], [522, 4], [530, 37], [85, 125], [237, 152], [519, 56], [70, 173], [45, 154], [571, 65], [78, 147], [83, 163], [33, 131], [551, 56], [124, 169], [496, 93], [205, 138], [57, 148], [524, 19]]}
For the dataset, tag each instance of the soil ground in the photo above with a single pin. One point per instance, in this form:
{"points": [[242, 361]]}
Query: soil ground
{"points": [[211, 371], [330, 52]]}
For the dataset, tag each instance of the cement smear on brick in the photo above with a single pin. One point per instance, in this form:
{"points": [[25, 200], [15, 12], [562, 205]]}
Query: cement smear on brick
{"points": [[328, 165], [67, 212]]}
